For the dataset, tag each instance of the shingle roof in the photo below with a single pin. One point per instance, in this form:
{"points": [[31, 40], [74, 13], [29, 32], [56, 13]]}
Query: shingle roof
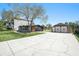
{"points": [[60, 24]]}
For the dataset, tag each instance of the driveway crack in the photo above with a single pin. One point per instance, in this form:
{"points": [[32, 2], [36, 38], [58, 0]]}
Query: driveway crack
{"points": [[11, 49]]}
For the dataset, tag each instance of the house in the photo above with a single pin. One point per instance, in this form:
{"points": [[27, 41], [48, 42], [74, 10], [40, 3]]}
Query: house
{"points": [[34, 28], [37, 28], [16, 23], [61, 28], [22, 26]]}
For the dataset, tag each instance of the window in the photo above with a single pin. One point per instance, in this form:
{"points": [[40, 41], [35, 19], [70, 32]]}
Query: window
{"points": [[63, 28], [57, 29]]}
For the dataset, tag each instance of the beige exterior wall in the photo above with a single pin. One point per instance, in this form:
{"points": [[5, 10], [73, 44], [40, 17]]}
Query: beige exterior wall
{"points": [[56, 29], [60, 29], [64, 29], [18, 23]]}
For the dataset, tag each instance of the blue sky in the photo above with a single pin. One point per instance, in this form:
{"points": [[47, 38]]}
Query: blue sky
{"points": [[57, 12]]}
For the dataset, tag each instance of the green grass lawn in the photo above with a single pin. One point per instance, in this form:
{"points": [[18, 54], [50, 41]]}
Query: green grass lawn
{"points": [[10, 35], [77, 36]]}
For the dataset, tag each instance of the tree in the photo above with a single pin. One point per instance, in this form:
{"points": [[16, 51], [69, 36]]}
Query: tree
{"points": [[8, 16], [71, 26], [30, 12], [44, 21], [66, 23], [3, 14], [2, 27], [49, 26], [77, 27], [77, 23], [36, 12]]}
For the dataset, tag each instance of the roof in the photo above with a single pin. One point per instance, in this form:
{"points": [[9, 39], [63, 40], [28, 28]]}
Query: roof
{"points": [[38, 25], [60, 24], [20, 19]]}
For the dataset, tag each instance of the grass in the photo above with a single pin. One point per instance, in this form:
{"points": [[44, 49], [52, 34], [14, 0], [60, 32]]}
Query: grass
{"points": [[77, 36], [10, 35], [47, 30]]}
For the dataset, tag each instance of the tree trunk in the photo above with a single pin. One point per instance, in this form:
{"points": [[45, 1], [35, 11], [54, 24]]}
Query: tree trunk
{"points": [[30, 26]]}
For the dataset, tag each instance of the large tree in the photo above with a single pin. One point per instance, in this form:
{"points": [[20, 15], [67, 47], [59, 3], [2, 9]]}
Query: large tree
{"points": [[30, 12]]}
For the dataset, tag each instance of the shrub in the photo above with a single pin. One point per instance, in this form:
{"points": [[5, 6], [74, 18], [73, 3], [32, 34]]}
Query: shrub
{"points": [[2, 26]]}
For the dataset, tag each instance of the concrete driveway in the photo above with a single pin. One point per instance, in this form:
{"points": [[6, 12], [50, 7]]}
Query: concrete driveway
{"points": [[48, 44]]}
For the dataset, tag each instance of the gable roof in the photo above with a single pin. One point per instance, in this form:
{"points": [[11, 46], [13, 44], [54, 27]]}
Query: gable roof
{"points": [[60, 24]]}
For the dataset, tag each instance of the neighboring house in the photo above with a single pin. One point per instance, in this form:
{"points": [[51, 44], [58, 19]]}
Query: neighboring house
{"points": [[37, 28], [61, 28]]}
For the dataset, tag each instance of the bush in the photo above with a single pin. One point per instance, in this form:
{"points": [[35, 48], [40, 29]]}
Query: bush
{"points": [[2, 26]]}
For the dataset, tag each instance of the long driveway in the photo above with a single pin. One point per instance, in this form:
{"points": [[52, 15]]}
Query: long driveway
{"points": [[48, 44]]}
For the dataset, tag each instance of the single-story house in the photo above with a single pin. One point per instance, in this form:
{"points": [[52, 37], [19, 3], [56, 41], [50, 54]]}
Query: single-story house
{"points": [[37, 28], [60, 28]]}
